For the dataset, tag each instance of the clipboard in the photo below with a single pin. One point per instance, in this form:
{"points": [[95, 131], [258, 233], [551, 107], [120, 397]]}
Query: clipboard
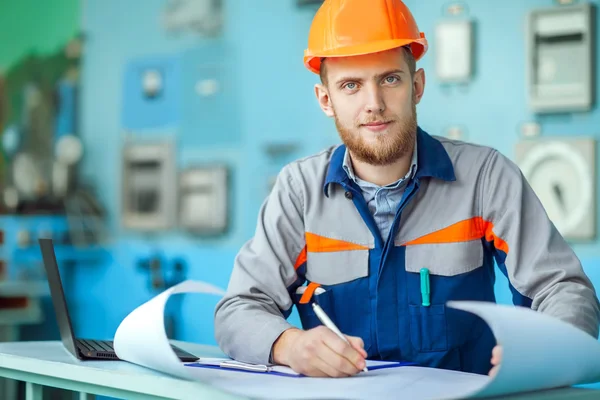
{"points": [[232, 365], [280, 370]]}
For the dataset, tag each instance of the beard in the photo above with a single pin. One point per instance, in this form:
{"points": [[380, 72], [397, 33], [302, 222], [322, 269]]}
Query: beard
{"points": [[390, 146]]}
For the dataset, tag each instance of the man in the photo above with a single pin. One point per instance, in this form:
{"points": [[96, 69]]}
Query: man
{"points": [[353, 227]]}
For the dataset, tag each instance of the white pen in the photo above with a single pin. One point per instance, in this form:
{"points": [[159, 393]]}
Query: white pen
{"points": [[329, 323]]}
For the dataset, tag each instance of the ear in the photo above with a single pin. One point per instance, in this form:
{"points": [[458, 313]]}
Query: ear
{"points": [[324, 100], [419, 85]]}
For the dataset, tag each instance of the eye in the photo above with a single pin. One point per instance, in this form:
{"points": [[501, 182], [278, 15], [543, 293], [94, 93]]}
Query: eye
{"points": [[350, 86], [391, 79]]}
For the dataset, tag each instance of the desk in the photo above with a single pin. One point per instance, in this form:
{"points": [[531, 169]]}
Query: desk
{"points": [[49, 364], [12, 318]]}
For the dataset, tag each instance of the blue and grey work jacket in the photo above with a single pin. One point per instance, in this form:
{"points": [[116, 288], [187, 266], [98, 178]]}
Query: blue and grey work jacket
{"points": [[467, 208]]}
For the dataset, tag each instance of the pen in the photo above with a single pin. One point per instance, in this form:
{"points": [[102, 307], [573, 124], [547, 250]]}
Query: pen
{"points": [[329, 323], [425, 289]]}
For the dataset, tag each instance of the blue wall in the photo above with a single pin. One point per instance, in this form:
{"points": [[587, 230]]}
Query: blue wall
{"points": [[266, 97]]}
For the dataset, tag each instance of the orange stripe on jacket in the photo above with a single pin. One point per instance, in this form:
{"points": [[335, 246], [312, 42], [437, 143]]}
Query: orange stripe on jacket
{"points": [[321, 244], [490, 236], [308, 293], [301, 259], [464, 231]]}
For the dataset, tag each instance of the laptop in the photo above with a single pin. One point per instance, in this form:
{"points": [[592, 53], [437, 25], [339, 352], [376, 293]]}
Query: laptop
{"points": [[83, 349]]}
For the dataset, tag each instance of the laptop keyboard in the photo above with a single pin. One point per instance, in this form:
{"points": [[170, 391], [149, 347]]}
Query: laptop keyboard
{"points": [[89, 345], [95, 345]]}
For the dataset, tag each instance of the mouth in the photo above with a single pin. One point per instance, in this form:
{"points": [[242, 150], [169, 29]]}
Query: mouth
{"points": [[377, 126]]}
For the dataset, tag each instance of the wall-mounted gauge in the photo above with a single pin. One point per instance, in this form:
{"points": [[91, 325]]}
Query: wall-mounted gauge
{"points": [[562, 174]]}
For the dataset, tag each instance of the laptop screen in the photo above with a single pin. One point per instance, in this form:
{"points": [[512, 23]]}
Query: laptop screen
{"points": [[58, 295]]}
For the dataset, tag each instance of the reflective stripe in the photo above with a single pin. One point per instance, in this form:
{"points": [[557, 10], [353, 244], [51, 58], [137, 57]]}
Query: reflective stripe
{"points": [[301, 259], [464, 231], [318, 244]]}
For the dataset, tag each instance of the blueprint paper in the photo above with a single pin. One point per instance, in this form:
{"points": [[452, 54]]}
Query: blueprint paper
{"points": [[414, 383], [539, 352], [144, 329]]}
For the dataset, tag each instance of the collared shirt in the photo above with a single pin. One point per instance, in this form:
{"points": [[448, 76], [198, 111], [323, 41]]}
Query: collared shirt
{"points": [[383, 201]]}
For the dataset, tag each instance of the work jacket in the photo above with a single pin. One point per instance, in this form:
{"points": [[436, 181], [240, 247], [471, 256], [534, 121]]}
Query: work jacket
{"points": [[467, 208]]}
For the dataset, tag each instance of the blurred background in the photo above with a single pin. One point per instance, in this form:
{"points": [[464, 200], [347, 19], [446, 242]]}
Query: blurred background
{"points": [[143, 136]]}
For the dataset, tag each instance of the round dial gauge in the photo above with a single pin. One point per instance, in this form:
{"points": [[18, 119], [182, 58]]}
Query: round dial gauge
{"points": [[563, 182]]}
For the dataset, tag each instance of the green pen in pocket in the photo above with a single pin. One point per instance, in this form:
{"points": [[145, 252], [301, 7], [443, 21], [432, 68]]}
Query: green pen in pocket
{"points": [[425, 288]]}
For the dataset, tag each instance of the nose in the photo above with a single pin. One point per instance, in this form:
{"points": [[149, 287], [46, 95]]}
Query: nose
{"points": [[375, 103]]}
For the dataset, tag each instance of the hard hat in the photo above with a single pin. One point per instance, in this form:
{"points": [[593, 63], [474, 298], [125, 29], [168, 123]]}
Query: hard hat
{"points": [[353, 27]]}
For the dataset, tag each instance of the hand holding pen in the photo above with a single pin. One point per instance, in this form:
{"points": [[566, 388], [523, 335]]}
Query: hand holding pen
{"points": [[329, 323], [320, 352]]}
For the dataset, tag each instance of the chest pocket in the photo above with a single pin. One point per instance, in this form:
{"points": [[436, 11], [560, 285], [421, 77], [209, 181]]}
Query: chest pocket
{"points": [[455, 273], [342, 292]]}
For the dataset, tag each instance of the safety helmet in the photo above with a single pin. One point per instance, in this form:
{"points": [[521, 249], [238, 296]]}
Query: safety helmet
{"points": [[354, 27]]}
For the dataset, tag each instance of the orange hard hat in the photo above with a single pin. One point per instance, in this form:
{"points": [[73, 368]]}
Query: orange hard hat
{"points": [[353, 27]]}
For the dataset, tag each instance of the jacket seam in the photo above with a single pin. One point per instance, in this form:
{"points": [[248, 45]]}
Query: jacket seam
{"points": [[302, 242], [293, 187], [524, 293], [482, 183]]}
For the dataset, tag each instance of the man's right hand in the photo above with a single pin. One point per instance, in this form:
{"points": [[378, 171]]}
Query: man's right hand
{"points": [[319, 352]]}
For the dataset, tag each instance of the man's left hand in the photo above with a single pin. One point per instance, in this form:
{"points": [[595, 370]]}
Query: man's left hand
{"points": [[496, 359]]}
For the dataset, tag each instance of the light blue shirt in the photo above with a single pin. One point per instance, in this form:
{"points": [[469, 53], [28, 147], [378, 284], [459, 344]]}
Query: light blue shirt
{"points": [[383, 201]]}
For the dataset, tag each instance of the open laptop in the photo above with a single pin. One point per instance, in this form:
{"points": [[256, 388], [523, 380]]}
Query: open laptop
{"points": [[83, 349]]}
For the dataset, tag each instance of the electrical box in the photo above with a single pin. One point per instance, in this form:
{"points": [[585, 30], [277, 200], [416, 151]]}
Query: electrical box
{"points": [[560, 64], [204, 199], [454, 51], [204, 17], [149, 186]]}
